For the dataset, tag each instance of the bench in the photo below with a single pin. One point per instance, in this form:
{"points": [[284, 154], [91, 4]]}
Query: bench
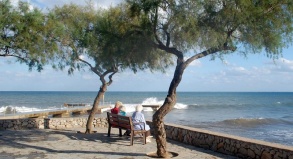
{"points": [[124, 123]]}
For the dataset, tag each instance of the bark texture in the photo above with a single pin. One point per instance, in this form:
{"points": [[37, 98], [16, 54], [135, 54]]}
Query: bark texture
{"points": [[169, 103], [95, 107]]}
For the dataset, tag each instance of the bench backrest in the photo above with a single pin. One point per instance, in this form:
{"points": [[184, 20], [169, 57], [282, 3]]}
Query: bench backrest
{"points": [[124, 122]]}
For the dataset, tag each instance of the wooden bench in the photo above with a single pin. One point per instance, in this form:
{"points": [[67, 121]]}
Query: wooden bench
{"points": [[124, 123]]}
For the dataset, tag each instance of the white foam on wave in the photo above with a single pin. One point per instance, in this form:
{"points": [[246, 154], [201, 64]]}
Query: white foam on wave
{"points": [[180, 106], [24, 109], [129, 107], [252, 122], [282, 133], [151, 101]]}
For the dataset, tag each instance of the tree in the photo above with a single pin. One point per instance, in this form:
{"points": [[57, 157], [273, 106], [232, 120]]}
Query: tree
{"points": [[25, 34], [211, 28], [107, 39]]}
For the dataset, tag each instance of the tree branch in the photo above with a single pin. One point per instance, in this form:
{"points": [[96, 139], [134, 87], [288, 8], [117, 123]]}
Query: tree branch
{"points": [[113, 70], [110, 77], [92, 68], [170, 50], [209, 52], [17, 56], [270, 9]]}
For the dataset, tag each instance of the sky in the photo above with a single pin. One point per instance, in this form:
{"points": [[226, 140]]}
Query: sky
{"points": [[256, 73]]}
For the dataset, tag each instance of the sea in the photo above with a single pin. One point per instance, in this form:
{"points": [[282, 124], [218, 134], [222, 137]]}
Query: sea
{"points": [[266, 116]]}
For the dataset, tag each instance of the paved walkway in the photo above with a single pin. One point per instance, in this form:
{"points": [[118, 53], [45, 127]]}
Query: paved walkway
{"points": [[65, 144]]}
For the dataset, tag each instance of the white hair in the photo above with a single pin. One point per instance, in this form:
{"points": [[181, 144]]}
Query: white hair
{"points": [[122, 108], [139, 108], [118, 104]]}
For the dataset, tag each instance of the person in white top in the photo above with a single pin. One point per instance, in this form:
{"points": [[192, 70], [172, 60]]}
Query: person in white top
{"points": [[138, 116]]}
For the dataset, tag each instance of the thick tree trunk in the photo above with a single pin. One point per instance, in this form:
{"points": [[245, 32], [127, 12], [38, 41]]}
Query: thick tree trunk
{"points": [[158, 124], [94, 109], [169, 103]]}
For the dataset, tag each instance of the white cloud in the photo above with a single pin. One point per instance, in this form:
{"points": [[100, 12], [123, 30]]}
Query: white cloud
{"points": [[282, 65], [271, 76], [107, 3], [24, 75], [82, 57], [196, 63], [236, 71], [14, 2], [226, 62], [271, 68], [87, 77]]}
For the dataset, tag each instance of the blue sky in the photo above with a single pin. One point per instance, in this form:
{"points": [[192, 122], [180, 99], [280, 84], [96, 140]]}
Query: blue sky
{"points": [[255, 73]]}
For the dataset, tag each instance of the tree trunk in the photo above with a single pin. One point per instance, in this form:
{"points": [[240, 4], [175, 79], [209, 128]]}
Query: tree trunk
{"points": [[94, 109], [169, 103], [158, 124]]}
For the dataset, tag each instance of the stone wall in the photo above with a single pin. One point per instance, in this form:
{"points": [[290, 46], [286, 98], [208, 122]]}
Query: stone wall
{"points": [[219, 142], [19, 124], [228, 144], [49, 123], [61, 123]]}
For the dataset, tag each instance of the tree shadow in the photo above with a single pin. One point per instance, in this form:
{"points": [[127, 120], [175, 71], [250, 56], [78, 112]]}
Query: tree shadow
{"points": [[22, 139], [25, 138]]}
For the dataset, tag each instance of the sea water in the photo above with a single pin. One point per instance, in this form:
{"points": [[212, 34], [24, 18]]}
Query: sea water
{"points": [[264, 116]]}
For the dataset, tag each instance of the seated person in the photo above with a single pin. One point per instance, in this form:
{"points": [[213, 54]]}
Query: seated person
{"points": [[115, 110], [138, 116], [122, 110]]}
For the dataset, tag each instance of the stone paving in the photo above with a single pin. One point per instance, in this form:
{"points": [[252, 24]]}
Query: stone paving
{"points": [[63, 144]]}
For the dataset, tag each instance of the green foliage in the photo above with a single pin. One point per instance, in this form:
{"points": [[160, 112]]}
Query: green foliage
{"points": [[124, 42], [223, 24], [74, 34], [24, 34], [107, 38]]}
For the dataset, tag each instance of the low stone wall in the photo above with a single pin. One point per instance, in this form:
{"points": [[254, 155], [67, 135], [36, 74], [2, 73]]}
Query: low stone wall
{"points": [[60, 123], [219, 142], [19, 124], [49, 123], [228, 144]]}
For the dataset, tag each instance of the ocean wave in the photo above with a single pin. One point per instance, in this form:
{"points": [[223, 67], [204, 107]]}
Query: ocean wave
{"points": [[288, 117], [151, 101], [22, 109], [155, 101], [129, 107], [180, 106], [283, 103], [281, 134], [253, 122]]}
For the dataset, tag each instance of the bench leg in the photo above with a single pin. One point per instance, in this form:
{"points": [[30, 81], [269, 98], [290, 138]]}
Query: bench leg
{"points": [[131, 138], [144, 138], [120, 132], [109, 130]]}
